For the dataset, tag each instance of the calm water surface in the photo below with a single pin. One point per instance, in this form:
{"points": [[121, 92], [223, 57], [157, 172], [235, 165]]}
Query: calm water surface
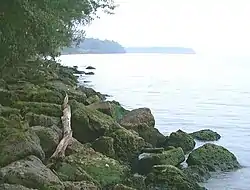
{"points": [[188, 92]]}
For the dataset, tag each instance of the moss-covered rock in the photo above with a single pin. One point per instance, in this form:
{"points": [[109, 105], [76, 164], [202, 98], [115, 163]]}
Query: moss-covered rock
{"points": [[89, 124], [142, 121], [136, 181], [42, 120], [17, 143], [168, 177], [104, 145], [10, 113], [113, 109], [197, 173], [102, 169], [181, 139], [91, 92], [214, 157], [39, 108], [76, 147], [7, 97], [82, 185], [93, 99], [206, 135], [127, 145], [30, 172], [49, 138], [148, 160], [7, 186], [122, 187]]}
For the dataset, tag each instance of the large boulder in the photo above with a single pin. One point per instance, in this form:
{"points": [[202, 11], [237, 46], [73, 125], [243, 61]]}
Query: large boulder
{"points": [[81, 185], [148, 160], [17, 143], [89, 124], [91, 166], [30, 172], [214, 157], [7, 186], [166, 177], [104, 145], [142, 121], [127, 144], [49, 138], [197, 173], [113, 109], [181, 139], [42, 120], [39, 108], [205, 135]]}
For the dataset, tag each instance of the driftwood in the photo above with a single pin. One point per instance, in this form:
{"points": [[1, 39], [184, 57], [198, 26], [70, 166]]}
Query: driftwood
{"points": [[67, 132]]}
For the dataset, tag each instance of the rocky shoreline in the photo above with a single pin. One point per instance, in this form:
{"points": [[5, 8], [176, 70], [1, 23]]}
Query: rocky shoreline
{"points": [[113, 148]]}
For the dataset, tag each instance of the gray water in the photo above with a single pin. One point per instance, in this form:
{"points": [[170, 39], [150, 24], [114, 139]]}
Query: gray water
{"points": [[188, 92]]}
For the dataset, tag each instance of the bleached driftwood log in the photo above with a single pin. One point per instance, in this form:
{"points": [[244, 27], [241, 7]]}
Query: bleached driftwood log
{"points": [[67, 132]]}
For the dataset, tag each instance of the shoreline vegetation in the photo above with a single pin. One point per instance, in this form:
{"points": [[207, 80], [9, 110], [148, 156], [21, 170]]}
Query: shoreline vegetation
{"points": [[58, 135], [112, 148]]}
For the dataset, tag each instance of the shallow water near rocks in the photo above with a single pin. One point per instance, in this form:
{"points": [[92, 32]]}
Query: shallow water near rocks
{"points": [[188, 92]]}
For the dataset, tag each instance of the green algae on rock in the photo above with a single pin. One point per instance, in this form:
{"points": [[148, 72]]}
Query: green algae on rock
{"points": [[205, 135], [104, 145], [30, 172], [181, 139], [7, 186], [166, 177], [197, 173], [214, 157], [147, 161], [80, 185]]}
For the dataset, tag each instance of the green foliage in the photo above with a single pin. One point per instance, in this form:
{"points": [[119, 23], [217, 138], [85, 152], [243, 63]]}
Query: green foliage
{"points": [[42, 27]]}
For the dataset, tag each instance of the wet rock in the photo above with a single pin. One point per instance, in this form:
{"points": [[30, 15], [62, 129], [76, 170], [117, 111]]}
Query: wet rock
{"points": [[214, 157], [89, 73], [104, 170], [148, 160], [127, 145], [30, 172], [7, 186], [142, 121], [82, 185], [167, 177], [181, 139], [90, 67], [115, 110], [39, 108], [197, 173], [89, 124], [49, 138], [206, 135], [104, 145], [16, 143]]}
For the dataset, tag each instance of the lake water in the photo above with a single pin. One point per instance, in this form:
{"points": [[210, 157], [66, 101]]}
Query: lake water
{"points": [[188, 92]]}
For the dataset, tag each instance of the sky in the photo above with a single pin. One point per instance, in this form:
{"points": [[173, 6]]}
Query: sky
{"points": [[204, 25]]}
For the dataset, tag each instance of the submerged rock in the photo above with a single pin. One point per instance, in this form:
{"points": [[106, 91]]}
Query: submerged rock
{"points": [[90, 67], [30, 172], [214, 157], [89, 73], [206, 135], [181, 139], [166, 177], [148, 160]]}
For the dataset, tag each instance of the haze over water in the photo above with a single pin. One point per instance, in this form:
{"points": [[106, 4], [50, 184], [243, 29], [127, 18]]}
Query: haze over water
{"points": [[188, 92]]}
